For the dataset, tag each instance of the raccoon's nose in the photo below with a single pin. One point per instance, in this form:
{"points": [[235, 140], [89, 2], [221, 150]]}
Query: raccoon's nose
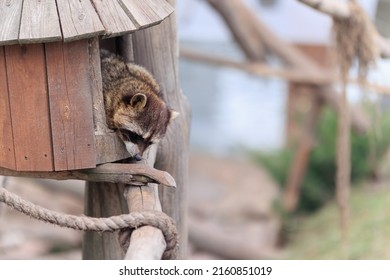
{"points": [[138, 157]]}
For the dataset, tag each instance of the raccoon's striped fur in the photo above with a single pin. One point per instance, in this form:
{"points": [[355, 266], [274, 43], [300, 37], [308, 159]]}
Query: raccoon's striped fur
{"points": [[134, 104]]}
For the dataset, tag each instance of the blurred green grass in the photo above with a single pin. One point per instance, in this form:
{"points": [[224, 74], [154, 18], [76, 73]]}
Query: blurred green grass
{"points": [[318, 236]]}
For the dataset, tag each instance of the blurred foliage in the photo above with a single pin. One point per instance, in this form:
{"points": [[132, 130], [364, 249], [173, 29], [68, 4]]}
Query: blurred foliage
{"points": [[319, 236], [319, 183]]}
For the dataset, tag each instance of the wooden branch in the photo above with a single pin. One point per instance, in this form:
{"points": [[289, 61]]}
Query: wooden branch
{"points": [[255, 68], [146, 243], [306, 140], [288, 53], [264, 70], [243, 32], [133, 174], [360, 121], [340, 9]]}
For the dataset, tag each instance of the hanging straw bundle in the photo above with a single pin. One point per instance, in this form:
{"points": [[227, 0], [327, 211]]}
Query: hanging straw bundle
{"points": [[354, 42]]}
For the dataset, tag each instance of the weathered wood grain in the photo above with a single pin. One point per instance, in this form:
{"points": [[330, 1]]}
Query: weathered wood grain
{"points": [[146, 243], [99, 115], [10, 14], [109, 147], [135, 174], [70, 100], [103, 200], [146, 12], [7, 153], [29, 105], [78, 20], [62, 119], [37, 21], [40, 22], [113, 17], [76, 58]]}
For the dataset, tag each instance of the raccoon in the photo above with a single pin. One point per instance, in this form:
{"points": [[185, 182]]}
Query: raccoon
{"points": [[134, 104]]}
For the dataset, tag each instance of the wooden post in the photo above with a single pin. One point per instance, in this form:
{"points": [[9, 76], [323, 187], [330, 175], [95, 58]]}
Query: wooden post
{"points": [[303, 111], [103, 200], [303, 141], [302, 96], [146, 242]]}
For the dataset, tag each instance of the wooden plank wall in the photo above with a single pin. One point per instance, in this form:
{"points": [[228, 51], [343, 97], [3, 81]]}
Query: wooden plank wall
{"points": [[26, 73], [109, 147], [70, 96], [7, 155], [46, 111]]}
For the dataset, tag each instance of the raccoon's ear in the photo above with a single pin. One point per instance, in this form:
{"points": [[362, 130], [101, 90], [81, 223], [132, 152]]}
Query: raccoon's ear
{"points": [[138, 101], [174, 115]]}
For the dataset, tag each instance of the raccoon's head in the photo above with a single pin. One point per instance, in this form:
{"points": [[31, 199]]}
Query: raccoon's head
{"points": [[141, 120]]}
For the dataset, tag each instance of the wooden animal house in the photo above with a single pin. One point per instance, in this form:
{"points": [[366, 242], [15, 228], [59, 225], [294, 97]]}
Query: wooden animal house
{"points": [[51, 105]]}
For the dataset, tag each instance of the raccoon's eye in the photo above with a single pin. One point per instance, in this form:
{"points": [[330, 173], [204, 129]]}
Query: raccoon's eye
{"points": [[131, 136]]}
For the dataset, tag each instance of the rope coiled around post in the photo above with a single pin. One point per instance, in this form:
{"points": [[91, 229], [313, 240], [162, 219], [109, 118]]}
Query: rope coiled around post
{"points": [[133, 220]]}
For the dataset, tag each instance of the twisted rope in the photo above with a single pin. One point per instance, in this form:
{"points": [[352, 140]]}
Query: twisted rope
{"points": [[133, 220]]}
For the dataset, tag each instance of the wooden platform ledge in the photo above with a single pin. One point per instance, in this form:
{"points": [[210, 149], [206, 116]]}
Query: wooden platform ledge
{"points": [[132, 174]]}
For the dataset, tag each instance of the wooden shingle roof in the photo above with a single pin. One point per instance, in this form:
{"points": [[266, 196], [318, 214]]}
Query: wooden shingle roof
{"points": [[32, 21]]}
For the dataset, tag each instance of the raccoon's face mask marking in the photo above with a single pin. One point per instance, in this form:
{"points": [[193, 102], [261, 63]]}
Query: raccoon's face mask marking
{"points": [[142, 122], [136, 138], [136, 145]]}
